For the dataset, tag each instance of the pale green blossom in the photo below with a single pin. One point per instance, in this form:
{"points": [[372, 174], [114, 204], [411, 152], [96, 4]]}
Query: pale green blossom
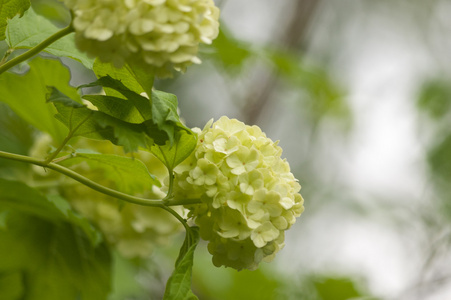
{"points": [[164, 34], [252, 201]]}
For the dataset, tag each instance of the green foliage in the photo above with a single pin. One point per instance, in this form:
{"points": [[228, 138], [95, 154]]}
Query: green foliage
{"points": [[128, 174], [229, 52], [58, 254], [12, 286], [51, 208], [435, 98], [82, 121], [9, 9], [55, 261], [336, 289], [158, 117], [29, 102], [32, 29], [179, 284]]}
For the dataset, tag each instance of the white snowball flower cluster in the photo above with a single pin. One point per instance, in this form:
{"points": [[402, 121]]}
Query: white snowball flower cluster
{"points": [[249, 196], [164, 34]]}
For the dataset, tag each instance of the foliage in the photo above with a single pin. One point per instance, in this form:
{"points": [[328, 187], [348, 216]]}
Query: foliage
{"points": [[66, 239]]}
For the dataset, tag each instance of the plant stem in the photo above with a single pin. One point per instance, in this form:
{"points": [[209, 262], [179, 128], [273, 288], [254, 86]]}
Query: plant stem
{"points": [[66, 139], [95, 186], [36, 49]]}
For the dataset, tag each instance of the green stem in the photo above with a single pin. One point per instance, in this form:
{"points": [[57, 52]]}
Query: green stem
{"points": [[36, 49], [66, 139], [179, 217], [93, 185]]}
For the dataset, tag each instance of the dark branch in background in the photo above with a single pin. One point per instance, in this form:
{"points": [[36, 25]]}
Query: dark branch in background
{"points": [[296, 29]]}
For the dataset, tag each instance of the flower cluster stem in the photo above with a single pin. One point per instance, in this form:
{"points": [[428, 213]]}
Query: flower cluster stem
{"points": [[95, 186], [35, 50]]}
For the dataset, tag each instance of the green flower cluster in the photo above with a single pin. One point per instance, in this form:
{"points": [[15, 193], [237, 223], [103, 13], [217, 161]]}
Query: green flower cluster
{"points": [[249, 196], [164, 34]]}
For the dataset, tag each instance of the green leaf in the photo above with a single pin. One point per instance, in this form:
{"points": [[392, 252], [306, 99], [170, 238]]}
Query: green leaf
{"points": [[124, 75], [178, 286], [32, 29], [17, 196], [129, 175], [12, 286], [30, 102], [230, 53], [336, 289], [142, 104], [435, 98], [3, 217], [116, 107], [8, 9], [96, 124], [57, 260], [171, 156]]}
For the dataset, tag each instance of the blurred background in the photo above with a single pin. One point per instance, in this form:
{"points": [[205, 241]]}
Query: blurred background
{"points": [[358, 92], [359, 95]]}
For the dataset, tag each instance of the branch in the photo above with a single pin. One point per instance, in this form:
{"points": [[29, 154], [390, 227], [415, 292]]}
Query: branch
{"points": [[96, 186], [36, 49]]}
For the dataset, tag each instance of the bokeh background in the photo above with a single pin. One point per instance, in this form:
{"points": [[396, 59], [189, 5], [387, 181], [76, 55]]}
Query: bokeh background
{"points": [[359, 95], [358, 92]]}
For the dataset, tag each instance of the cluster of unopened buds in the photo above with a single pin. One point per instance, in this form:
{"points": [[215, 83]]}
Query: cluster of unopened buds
{"points": [[249, 196]]}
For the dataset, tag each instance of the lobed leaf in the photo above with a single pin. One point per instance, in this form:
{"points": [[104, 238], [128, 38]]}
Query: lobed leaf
{"points": [[9, 9], [96, 124], [17, 196], [129, 175], [29, 103], [32, 29], [178, 286], [57, 260], [171, 156]]}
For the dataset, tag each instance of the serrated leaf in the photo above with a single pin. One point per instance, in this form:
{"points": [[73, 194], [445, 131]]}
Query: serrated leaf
{"points": [[30, 103], [178, 286], [57, 260], [9, 9], [129, 175], [98, 125], [124, 75], [116, 107], [171, 156], [32, 29], [17, 196], [142, 104], [159, 113]]}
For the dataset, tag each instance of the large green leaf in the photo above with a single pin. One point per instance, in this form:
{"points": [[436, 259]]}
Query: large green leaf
{"points": [[124, 74], [178, 286], [12, 285], [129, 175], [171, 156], [56, 260], [85, 122], [32, 29], [26, 94], [8, 9], [159, 112], [17, 196]]}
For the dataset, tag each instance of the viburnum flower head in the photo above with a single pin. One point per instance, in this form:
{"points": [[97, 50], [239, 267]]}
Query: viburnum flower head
{"points": [[249, 196], [164, 34]]}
